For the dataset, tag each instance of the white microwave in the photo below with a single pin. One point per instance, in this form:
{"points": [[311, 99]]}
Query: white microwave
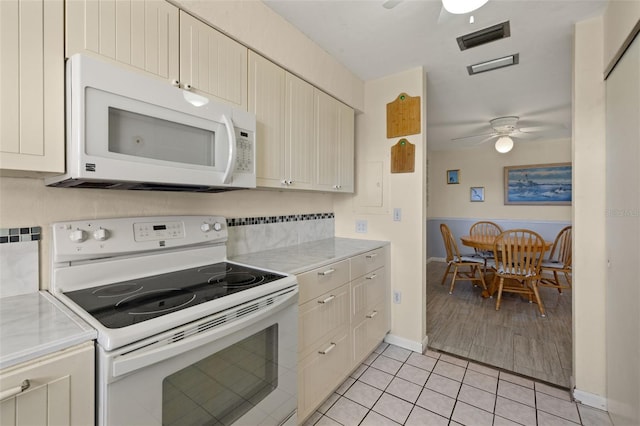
{"points": [[126, 130]]}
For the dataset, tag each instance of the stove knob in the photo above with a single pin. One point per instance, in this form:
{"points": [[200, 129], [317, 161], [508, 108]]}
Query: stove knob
{"points": [[217, 226], [101, 234], [78, 236], [205, 227]]}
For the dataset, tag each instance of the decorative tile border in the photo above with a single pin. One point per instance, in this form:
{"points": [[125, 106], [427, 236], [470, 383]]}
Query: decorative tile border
{"points": [[16, 235], [243, 221]]}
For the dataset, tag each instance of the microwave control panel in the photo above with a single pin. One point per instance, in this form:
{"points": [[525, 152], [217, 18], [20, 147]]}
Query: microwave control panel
{"points": [[245, 156]]}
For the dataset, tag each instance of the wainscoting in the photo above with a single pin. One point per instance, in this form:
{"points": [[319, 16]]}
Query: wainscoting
{"points": [[435, 248]]}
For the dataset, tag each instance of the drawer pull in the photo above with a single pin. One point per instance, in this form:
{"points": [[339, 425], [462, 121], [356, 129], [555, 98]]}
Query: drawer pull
{"points": [[372, 276], [372, 255], [327, 272], [327, 300], [329, 349], [16, 390], [372, 314]]}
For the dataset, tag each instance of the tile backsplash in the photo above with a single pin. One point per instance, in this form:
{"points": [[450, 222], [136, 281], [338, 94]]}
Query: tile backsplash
{"points": [[252, 234], [16, 235], [19, 265]]}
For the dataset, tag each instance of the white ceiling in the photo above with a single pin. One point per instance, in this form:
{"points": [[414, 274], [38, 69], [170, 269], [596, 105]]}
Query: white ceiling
{"points": [[374, 42]]}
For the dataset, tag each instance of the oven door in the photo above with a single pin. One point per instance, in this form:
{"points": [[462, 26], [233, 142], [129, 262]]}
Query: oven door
{"points": [[235, 367]]}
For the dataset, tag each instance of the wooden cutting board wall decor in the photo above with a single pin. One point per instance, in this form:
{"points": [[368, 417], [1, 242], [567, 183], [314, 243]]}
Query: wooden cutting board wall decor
{"points": [[403, 116], [403, 157]]}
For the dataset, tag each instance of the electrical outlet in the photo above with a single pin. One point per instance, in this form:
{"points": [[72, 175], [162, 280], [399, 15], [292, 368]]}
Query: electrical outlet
{"points": [[397, 214], [361, 226], [397, 296]]}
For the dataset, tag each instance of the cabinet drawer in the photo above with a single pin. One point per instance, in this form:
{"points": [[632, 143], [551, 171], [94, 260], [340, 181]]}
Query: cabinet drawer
{"points": [[366, 291], [369, 332], [322, 317], [367, 262], [322, 280], [319, 374]]}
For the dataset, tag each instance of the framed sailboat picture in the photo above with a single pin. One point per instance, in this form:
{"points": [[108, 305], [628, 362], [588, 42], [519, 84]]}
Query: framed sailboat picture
{"points": [[538, 184]]}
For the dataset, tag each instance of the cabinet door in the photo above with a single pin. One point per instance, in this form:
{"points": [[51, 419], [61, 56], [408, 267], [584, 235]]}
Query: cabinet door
{"points": [[322, 371], [60, 392], [267, 102], [140, 33], [334, 144], [299, 119], [327, 142], [32, 85], [211, 62], [321, 317], [346, 152], [369, 332]]}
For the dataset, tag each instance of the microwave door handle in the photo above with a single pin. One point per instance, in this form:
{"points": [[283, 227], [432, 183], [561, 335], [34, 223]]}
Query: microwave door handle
{"points": [[231, 162]]}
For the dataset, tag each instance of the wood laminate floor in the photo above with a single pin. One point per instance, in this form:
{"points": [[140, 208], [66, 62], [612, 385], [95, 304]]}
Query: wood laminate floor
{"points": [[515, 338]]}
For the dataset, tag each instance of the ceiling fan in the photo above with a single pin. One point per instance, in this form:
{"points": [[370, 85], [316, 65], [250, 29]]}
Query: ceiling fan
{"points": [[449, 7], [504, 129]]}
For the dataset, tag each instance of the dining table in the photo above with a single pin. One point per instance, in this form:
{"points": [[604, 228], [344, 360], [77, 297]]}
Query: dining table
{"points": [[485, 243]]}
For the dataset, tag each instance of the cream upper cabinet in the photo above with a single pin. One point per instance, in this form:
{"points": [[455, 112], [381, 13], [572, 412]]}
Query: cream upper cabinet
{"points": [[283, 104], [334, 134], [140, 33], [299, 121], [267, 102], [32, 86], [57, 389], [156, 37], [212, 63]]}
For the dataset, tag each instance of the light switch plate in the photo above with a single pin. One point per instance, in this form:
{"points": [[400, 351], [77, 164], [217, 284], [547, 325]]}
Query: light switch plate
{"points": [[397, 214]]}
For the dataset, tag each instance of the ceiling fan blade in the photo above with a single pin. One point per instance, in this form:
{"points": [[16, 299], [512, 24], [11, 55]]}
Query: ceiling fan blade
{"points": [[489, 135], [523, 135], [487, 139], [537, 129], [390, 4]]}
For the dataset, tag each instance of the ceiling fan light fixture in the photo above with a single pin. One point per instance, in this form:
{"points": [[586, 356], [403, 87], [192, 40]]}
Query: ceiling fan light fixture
{"points": [[459, 7], [504, 144]]}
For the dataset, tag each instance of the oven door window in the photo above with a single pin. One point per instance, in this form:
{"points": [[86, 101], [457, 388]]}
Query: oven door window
{"points": [[224, 386]]}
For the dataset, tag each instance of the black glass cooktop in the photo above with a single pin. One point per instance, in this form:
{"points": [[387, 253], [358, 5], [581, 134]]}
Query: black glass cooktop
{"points": [[126, 303]]}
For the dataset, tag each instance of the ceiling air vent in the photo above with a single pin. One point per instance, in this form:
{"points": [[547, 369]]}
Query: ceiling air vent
{"points": [[494, 64], [484, 36]]}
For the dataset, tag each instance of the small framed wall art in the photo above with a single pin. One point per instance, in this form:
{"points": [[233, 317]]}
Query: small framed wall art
{"points": [[453, 176], [477, 193]]}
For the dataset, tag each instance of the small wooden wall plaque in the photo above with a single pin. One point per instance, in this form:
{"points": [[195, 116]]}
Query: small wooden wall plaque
{"points": [[403, 116], [403, 157]]}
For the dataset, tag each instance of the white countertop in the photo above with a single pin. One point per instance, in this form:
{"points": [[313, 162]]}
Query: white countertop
{"points": [[36, 324], [306, 256]]}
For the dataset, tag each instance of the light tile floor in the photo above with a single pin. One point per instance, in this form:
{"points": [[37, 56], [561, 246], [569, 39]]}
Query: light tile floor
{"points": [[396, 386]]}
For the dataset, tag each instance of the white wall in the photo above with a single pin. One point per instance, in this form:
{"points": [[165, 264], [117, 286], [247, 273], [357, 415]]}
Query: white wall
{"points": [[619, 19], [262, 30], [588, 212], [484, 166], [379, 191]]}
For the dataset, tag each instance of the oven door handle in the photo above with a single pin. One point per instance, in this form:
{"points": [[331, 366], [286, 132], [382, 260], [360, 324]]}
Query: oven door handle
{"points": [[149, 355]]}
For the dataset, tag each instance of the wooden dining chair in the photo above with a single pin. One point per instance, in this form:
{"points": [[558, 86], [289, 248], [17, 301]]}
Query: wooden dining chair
{"points": [[456, 260], [559, 261], [485, 229], [517, 259]]}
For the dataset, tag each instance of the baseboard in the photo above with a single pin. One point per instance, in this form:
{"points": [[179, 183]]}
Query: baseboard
{"points": [[592, 400], [436, 259], [411, 345]]}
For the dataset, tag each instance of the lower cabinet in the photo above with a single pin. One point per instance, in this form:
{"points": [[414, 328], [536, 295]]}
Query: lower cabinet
{"points": [[342, 318], [56, 389]]}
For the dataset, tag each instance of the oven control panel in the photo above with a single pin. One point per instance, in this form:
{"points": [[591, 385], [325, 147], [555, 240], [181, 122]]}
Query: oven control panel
{"points": [[99, 238], [150, 231]]}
